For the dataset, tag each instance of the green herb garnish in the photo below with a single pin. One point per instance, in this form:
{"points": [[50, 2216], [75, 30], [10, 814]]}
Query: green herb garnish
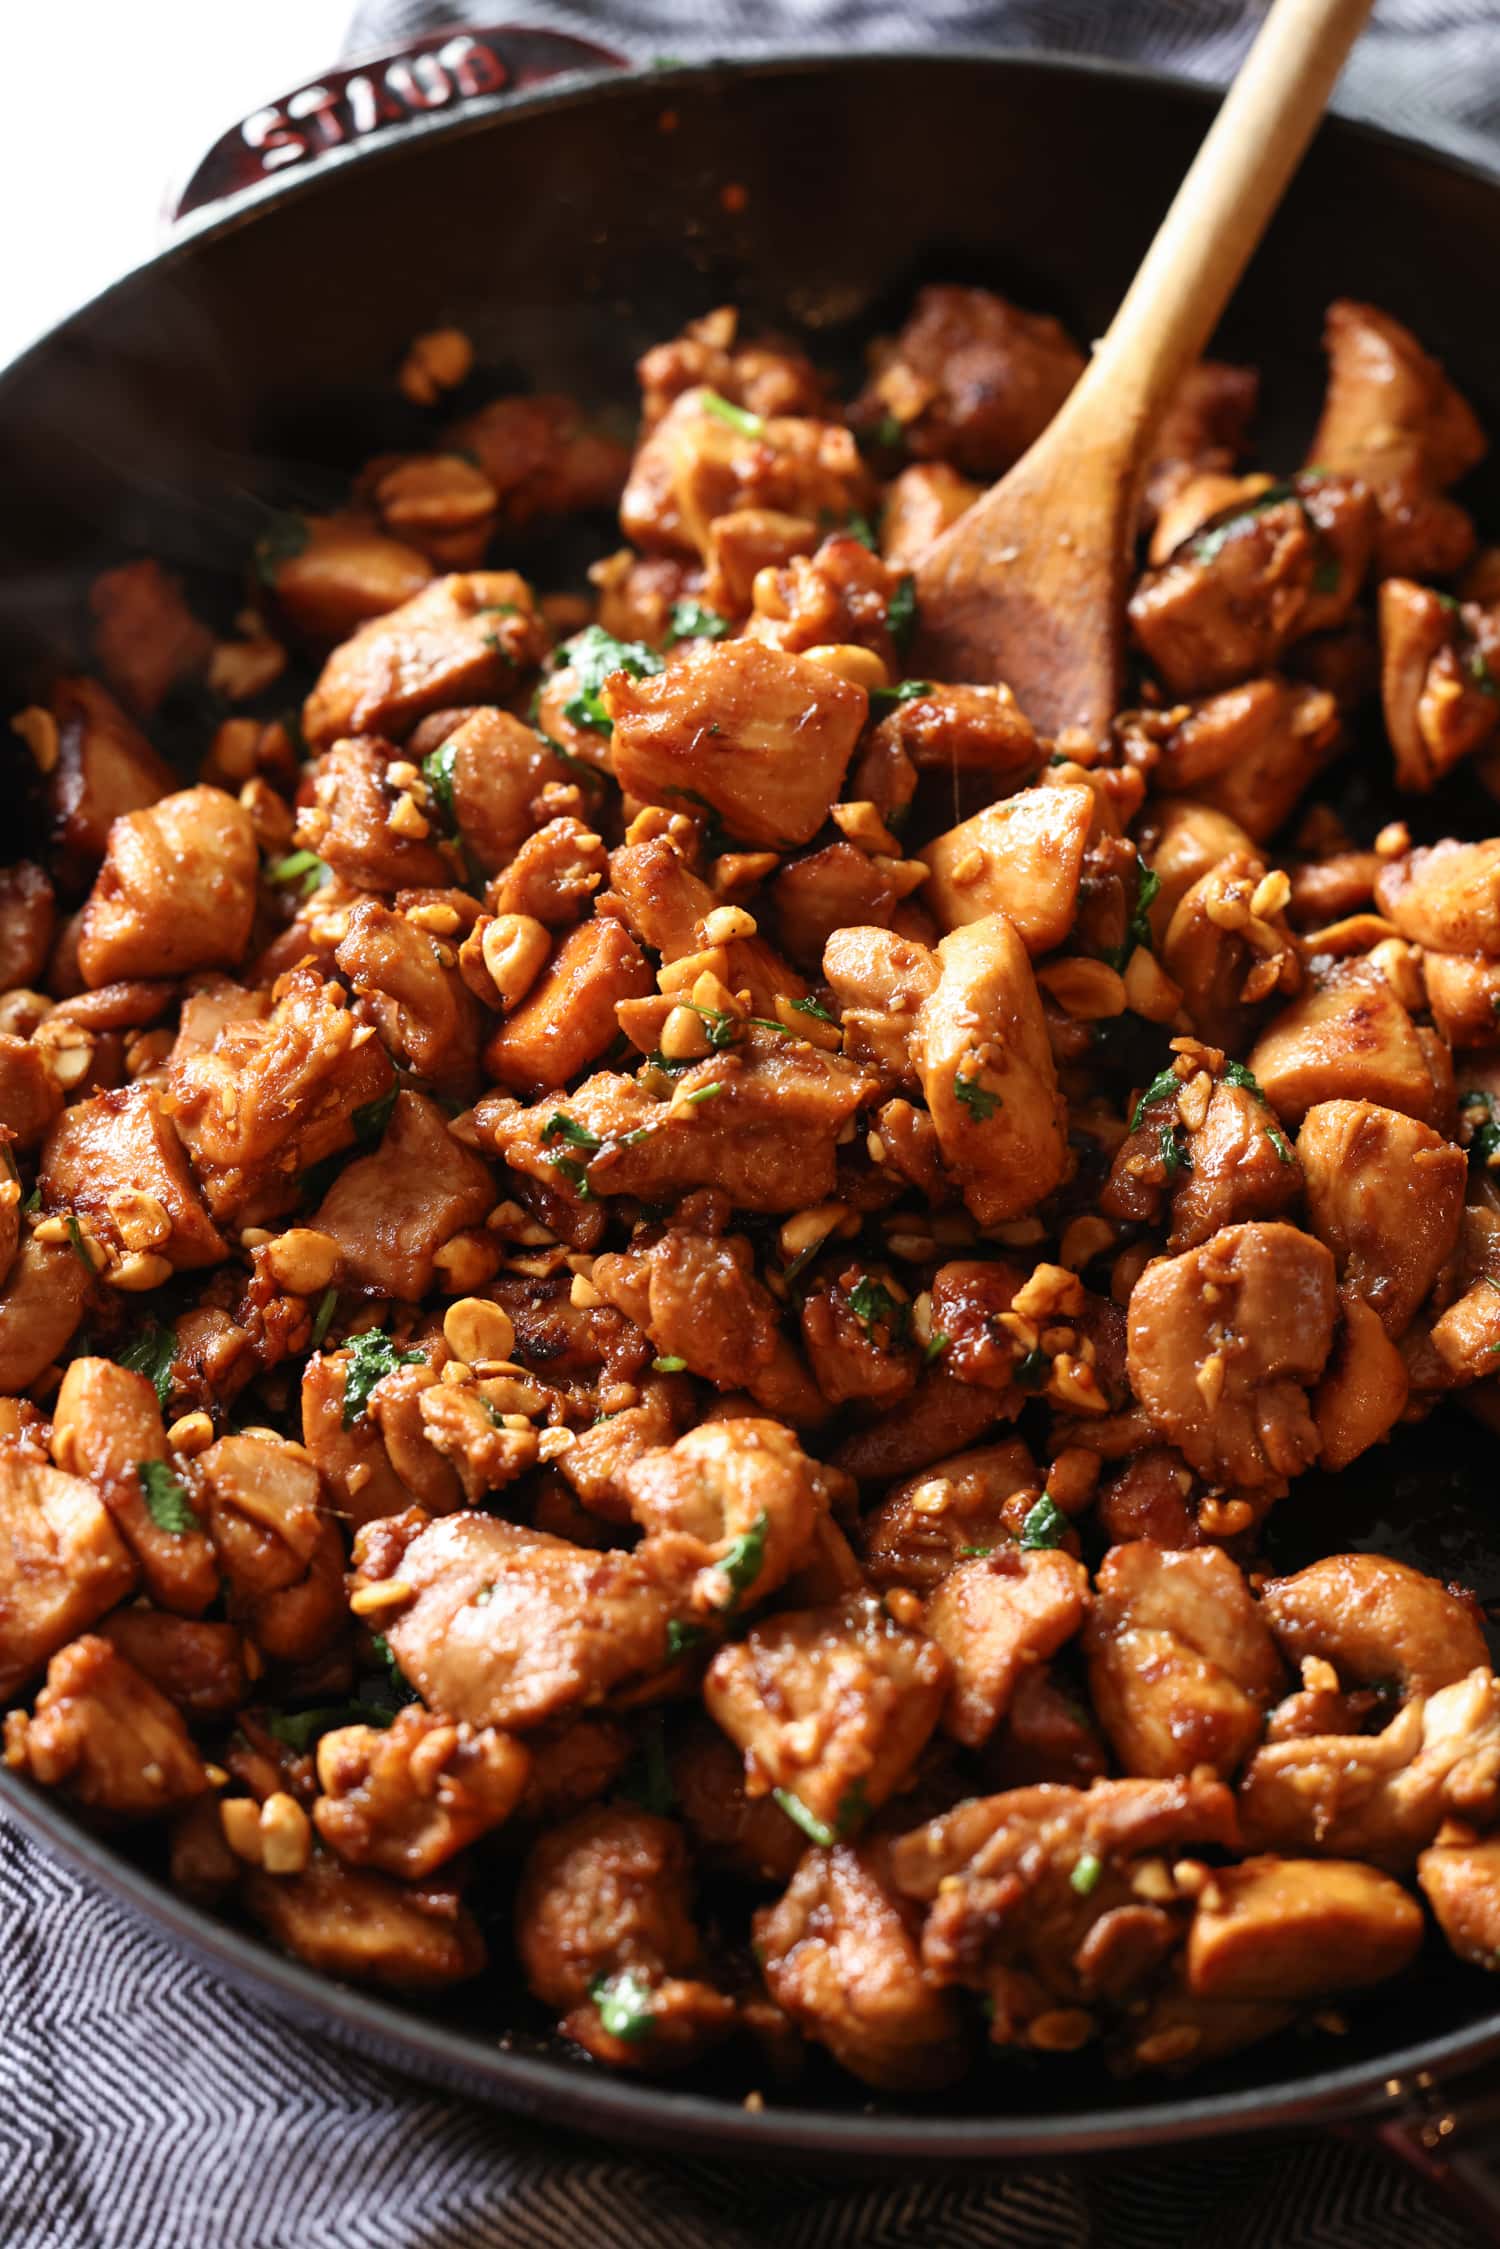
{"points": [[323, 1319], [624, 2004], [372, 1356], [299, 1729], [901, 614], [1032, 1370], [873, 1305], [734, 417], [576, 1175], [976, 1098], [1085, 1875], [437, 771], [745, 1558], [906, 691], [284, 538], [76, 1242], [709, 1092], [396, 1680], [691, 621], [166, 1498], [1165, 1082], [1279, 1142], [669, 1363], [816, 1830], [814, 1008], [591, 656], [297, 865], [1172, 1151], [559, 1127], [682, 1639], [649, 1782], [1045, 1525], [935, 1346], [371, 1117], [1205, 544], [974, 1553], [151, 1353], [860, 527]]}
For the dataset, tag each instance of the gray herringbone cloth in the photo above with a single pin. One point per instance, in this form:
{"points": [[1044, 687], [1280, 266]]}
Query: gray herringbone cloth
{"points": [[145, 2105]]}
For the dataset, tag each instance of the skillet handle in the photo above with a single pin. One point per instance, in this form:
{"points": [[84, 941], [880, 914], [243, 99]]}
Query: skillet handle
{"points": [[1449, 2134], [438, 74]]}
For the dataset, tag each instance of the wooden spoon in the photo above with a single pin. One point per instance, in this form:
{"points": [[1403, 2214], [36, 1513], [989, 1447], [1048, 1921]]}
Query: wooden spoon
{"points": [[1030, 585]]}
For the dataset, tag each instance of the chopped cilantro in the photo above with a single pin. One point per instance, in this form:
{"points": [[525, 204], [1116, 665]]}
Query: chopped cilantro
{"points": [[709, 1092], [1205, 544], [1240, 1074], [974, 1553], [976, 1098], [1032, 1371], [668, 1363], [371, 1117], [1165, 1082], [437, 771], [294, 867], [691, 621], [372, 1356], [299, 1729], [624, 2004], [1279, 1142], [591, 656], [1173, 1152], [323, 1319], [901, 614], [734, 417], [166, 1498], [682, 1639], [559, 1127], [1084, 1878], [1045, 1524], [715, 835], [1148, 885], [816, 1830], [151, 1353], [813, 1008], [873, 1305], [33, 1201], [1484, 1138], [745, 1558], [935, 1346], [720, 1025], [905, 691], [860, 527], [1480, 673], [576, 1175], [79, 1247], [283, 539]]}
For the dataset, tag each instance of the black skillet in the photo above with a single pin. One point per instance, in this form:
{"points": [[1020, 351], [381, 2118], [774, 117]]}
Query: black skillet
{"points": [[250, 366]]}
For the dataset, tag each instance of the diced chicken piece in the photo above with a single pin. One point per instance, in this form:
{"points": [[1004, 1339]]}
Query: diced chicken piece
{"points": [[198, 1666], [606, 1939], [176, 890], [952, 730], [1046, 1737], [264, 1505], [146, 639], [405, 1798], [1463, 992], [366, 1929], [1182, 1669], [567, 1019], [428, 1020], [498, 767], [329, 574], [363, 830], [40, 1307], [398, 1407], [768, 1138], [1346, 1037], [63, 1565], [28, 922], [839, 1953], [1191, 840], [1240, 1166], [1381, 1797], [1022, 858], [1377, 1621], [542, 456], [971, 379], [1446, 897], [117, 1158], [835, 889], [30, 1096], [1223, 1344], [1294, 1929], [572, 1764], [843, 595], [698, 1299], [392, 1211], [107, 1425], [508, 1627], [1435, 685], [103, 1733], [554, 875], [697, 464], [758, 736], [1461, 1883], [1251, 751], [1392, 418], [880, 981], [766, 378], [459, 1425], [461, 640], [105, 769], [1228, 962], [987, 1072], [1030, 1898], [353, 1463], [995, 1619], [1234, 596], [937, 1518], [940, 1417], [1203, 429], [833, 1706], [743, 1496], [1364, 1389], [270, 1096], [919, 506], [744, 1835], [1386, 1194]]}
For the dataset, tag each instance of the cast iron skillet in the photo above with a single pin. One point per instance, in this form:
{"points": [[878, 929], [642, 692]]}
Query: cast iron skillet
{"points": [[250, 366]]}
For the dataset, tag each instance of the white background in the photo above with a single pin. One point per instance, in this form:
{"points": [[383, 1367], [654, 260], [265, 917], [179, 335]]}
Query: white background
{"points": [[108, 105]]}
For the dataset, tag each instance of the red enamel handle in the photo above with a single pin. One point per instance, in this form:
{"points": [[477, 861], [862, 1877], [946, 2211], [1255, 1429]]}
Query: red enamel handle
{"points": [[443, 72]]}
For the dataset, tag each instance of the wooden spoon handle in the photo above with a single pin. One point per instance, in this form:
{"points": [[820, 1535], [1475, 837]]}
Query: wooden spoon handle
{"points": [[1219, 213]]}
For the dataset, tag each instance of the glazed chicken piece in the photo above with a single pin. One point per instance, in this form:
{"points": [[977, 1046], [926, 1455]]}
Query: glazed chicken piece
{"points": [[553, 875], [1022, 858], [971, 379], [1446, 897], [759, 737], [117, 1159], [462, 640], [1377, 1621], [842, 596], [1279, 1929], [1346, 1037], [839, 1953], [837, 888], [1386, 1194], [1380, 1797], [41, 1305], [920, 504], [107, 1426], [392, 1211], [740, 1498], [329, 574], [952, 730], [1182, 1669], [747, 1836], [64, 1563], [497, 767], [697, 465], [880, 982], [363, 1928], [996, 1618], [28, 922], [404, 1798], [981, 1050], [429, 1022], [360, 826], [606, 1938], [509, 1627], [1203, 430], [831, 1707], [104, 1733], [542, 455], [1436, 688], [567, 1019], [105, 769], [1250, 751], [1217, 1139], [1460, 1880], [145, 637], [766, 378], [176, 890], [1365, 1386], [1463, 993], [1392, 418], [1031, 1899], [930, 1522], [30, 1096], [200, 1667], [1223, 1344], [937, 1419]]}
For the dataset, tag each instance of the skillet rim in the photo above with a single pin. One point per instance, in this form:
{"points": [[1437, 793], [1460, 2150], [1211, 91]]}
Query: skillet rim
{"points": [[578, 2096]]}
